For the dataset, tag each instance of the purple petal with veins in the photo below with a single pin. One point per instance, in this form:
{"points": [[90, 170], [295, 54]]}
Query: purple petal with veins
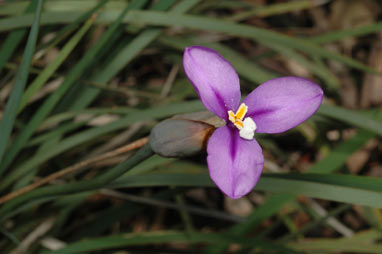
{"points": [[214, 79], [235, 164], [283, 103]]}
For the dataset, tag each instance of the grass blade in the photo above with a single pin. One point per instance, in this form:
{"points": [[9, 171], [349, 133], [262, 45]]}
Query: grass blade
{"points": [[349, 32], [275, 9], [127, 54], [10, 113], [49, 70], [49, 104], [364, 242], [263, 36], [340, 154], [90, 134], [243, 66], [73, 25], [342, 188], [352, 117], [122, 241], [95, 183], [13, 39]]}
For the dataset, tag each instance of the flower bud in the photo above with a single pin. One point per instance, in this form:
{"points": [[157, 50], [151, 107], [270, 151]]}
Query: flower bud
{"points": [[183, 135]]}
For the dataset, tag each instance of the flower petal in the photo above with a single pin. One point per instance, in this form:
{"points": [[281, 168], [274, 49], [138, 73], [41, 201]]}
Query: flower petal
{"points": [[283, 103], [235, 164], [214, 79]]}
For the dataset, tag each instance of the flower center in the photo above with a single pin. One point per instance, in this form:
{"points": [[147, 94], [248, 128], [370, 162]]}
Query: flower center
{"points": [[247, 126]]}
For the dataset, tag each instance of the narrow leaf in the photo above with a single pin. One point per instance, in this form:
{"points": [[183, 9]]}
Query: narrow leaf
{"points": [[10, 112]]}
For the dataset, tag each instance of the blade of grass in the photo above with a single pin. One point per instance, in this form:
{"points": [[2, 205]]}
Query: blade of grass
{"points": [[315, 223], [59, 118], [337, 157], [74, 74], [14, 39], [154, 162], [67, 205], [46, 193], [57, 132], [88, 94], [92, 133], [363, 242], [271, 206], [260, 35], [244, 67], [81, 96], [52, 67], [348, 189], [120, 241], [275, 9], [321, 71], [170, 205], [128, 53], [352, 181], [250, 70], [83, 5], [99, 62], [349, 32], [16, 8], [352, 117], [92, 227], [72, 26], [13, 8], [10, 112]]}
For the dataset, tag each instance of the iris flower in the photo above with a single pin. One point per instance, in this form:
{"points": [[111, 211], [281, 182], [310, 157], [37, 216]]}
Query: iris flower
{"points": [[235, 159]]}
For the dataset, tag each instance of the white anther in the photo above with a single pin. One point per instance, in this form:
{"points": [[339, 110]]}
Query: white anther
{"points": [[248, 131], [249, 124]]}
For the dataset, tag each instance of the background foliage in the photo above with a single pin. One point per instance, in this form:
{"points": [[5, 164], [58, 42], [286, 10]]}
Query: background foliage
{"points": [[83, 82]]}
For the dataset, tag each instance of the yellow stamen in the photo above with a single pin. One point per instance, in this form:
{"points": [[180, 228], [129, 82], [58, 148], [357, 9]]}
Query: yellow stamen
{"points": [[231, 116], [239, 124], [237, 119], [241, 111]]}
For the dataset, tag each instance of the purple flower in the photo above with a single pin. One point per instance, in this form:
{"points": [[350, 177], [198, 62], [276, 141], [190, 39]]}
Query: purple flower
{"points": [[235, 160]]}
